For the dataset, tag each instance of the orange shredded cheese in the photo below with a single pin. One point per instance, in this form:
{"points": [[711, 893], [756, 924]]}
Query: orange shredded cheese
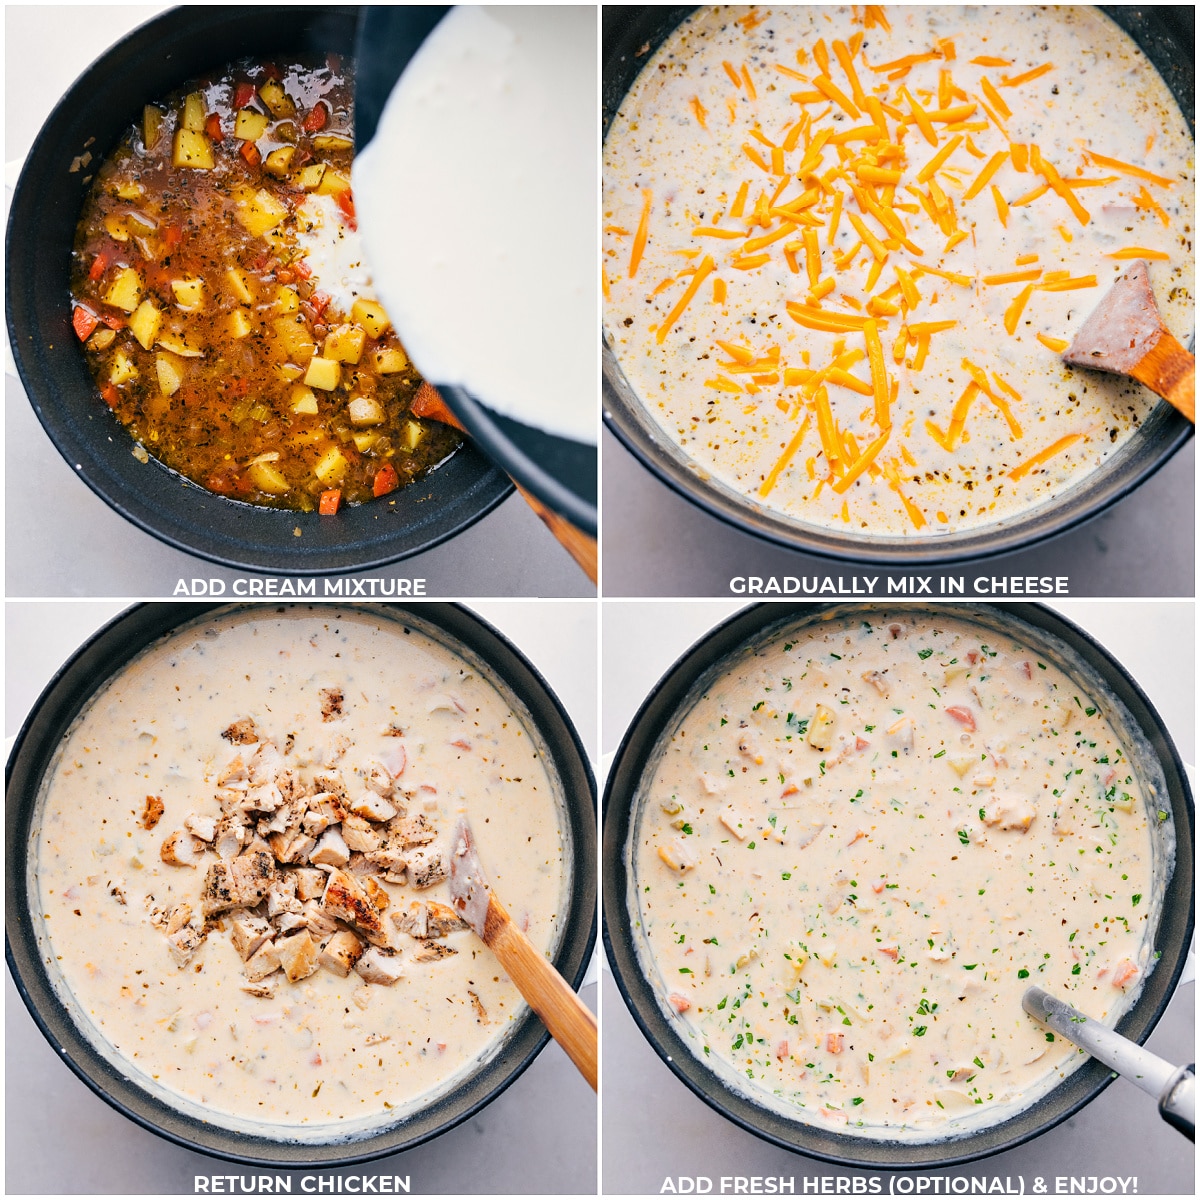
{"points": [[844, 57], [1139, 252], [1043, 456], [643, 230], [754, 156], [698, 111], [925, 328], [997, 101], [751, 263], [1020, 156], [1012, 277], [823, 319], [1058, 345], [1012, 314], [985, 60], [1028, 76], [718, 291], [1029, 197], [879, 376], [1147, 203], [785, 458], [931, 168], [713, 231], [952, 276], [702, 273], [739, 201], [981, 180], [750, 89], [921, 117], [1001, 205], [604, 284], [733, 75], [1067, 285], [1023, 259], [864, 460]]}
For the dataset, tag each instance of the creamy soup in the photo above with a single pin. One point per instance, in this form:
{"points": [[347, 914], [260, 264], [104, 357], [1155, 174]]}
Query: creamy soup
{"points": [[844, 249], [240, 855], [864, 840]]}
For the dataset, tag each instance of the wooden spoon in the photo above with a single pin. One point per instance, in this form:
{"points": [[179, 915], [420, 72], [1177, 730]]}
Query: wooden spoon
{"points": [[1125, 335], [428, 403], [571, 1025]]}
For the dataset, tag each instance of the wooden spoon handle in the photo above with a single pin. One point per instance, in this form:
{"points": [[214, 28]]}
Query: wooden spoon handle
{"points": [[1170, 370], [570, 1023]]}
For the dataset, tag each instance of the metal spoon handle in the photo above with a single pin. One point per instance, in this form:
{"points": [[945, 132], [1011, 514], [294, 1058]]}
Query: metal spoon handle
{"points": [[1173, 1087]]}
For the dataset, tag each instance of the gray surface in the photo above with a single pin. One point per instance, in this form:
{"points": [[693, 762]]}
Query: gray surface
{"points": [[655, 1127], [96, 552], [655, 543], [539, 1137]]}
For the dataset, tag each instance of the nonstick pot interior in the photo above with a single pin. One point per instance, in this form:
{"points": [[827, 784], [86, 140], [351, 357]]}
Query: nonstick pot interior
{"points": [[109, 97], [635, 761], [107, 653], [631, 35]]}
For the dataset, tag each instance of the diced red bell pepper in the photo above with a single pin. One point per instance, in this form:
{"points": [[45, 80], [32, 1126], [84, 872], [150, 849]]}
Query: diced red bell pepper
{"points": [[386, 480], [111, 396], [301, 269], [98, 265], [84, 322], [285, 275], [316, 119], [346, 204], [271, 71], [320, 302], [249, 152], [113, 320], [243, 93], [213, 128], [329, 502], [173, 236]]}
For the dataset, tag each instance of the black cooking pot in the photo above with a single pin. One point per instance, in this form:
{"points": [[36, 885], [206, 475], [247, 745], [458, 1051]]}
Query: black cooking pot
{"points": [[1166, 35], [1054, 638], [107, 653], [559, 471], [108, 98]]}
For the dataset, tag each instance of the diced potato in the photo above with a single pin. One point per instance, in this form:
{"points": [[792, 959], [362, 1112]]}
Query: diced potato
{"points": [[102, 338], [304, 401], [414, 431], [331, 466], [310, 177], [249, 125], [345, 344], [390, 361], [123, 369], [259, 211], [152, 123], [370, 315], [276, 99], [176, 345], [145, 323], [268, 478], [115, 227], [293, 334], [189, 294], [170, 373], [364, 439], [239, 285], [240, 325], [192, 149], [332, 142], [193, 113], [365, 410], [279, 162], [125, 291], [332, 183], [130, 189], [287, 301], [323, 373]]}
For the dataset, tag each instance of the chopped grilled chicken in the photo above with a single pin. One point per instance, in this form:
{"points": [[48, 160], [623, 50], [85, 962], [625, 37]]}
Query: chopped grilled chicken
{"points": [[240, 883], [376, 966], [428, 920], [178, 917], [248, 933], [373, 806], [331, 849], [346, 899], [265, 989], [477, 1004], [359, 835], [877, 681], [1009, 812], [180, 850], [377, 892], [297, 956], [333, 703], [391, 859], [289, 922], [320, 923], [184, 943], [426, 867], [263, 962], [234, 772], [341, 952], [281, 896], [202, 827], [433, 952], [231, 836], [243, 732], [310, 883], [315, 823], [152, 812], [416, 830]]}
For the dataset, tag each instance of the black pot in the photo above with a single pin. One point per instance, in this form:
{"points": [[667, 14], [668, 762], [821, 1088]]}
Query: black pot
{"points": [[631, 35], [558, 471], [107, 653], [152, 61], [1069, 648]]}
